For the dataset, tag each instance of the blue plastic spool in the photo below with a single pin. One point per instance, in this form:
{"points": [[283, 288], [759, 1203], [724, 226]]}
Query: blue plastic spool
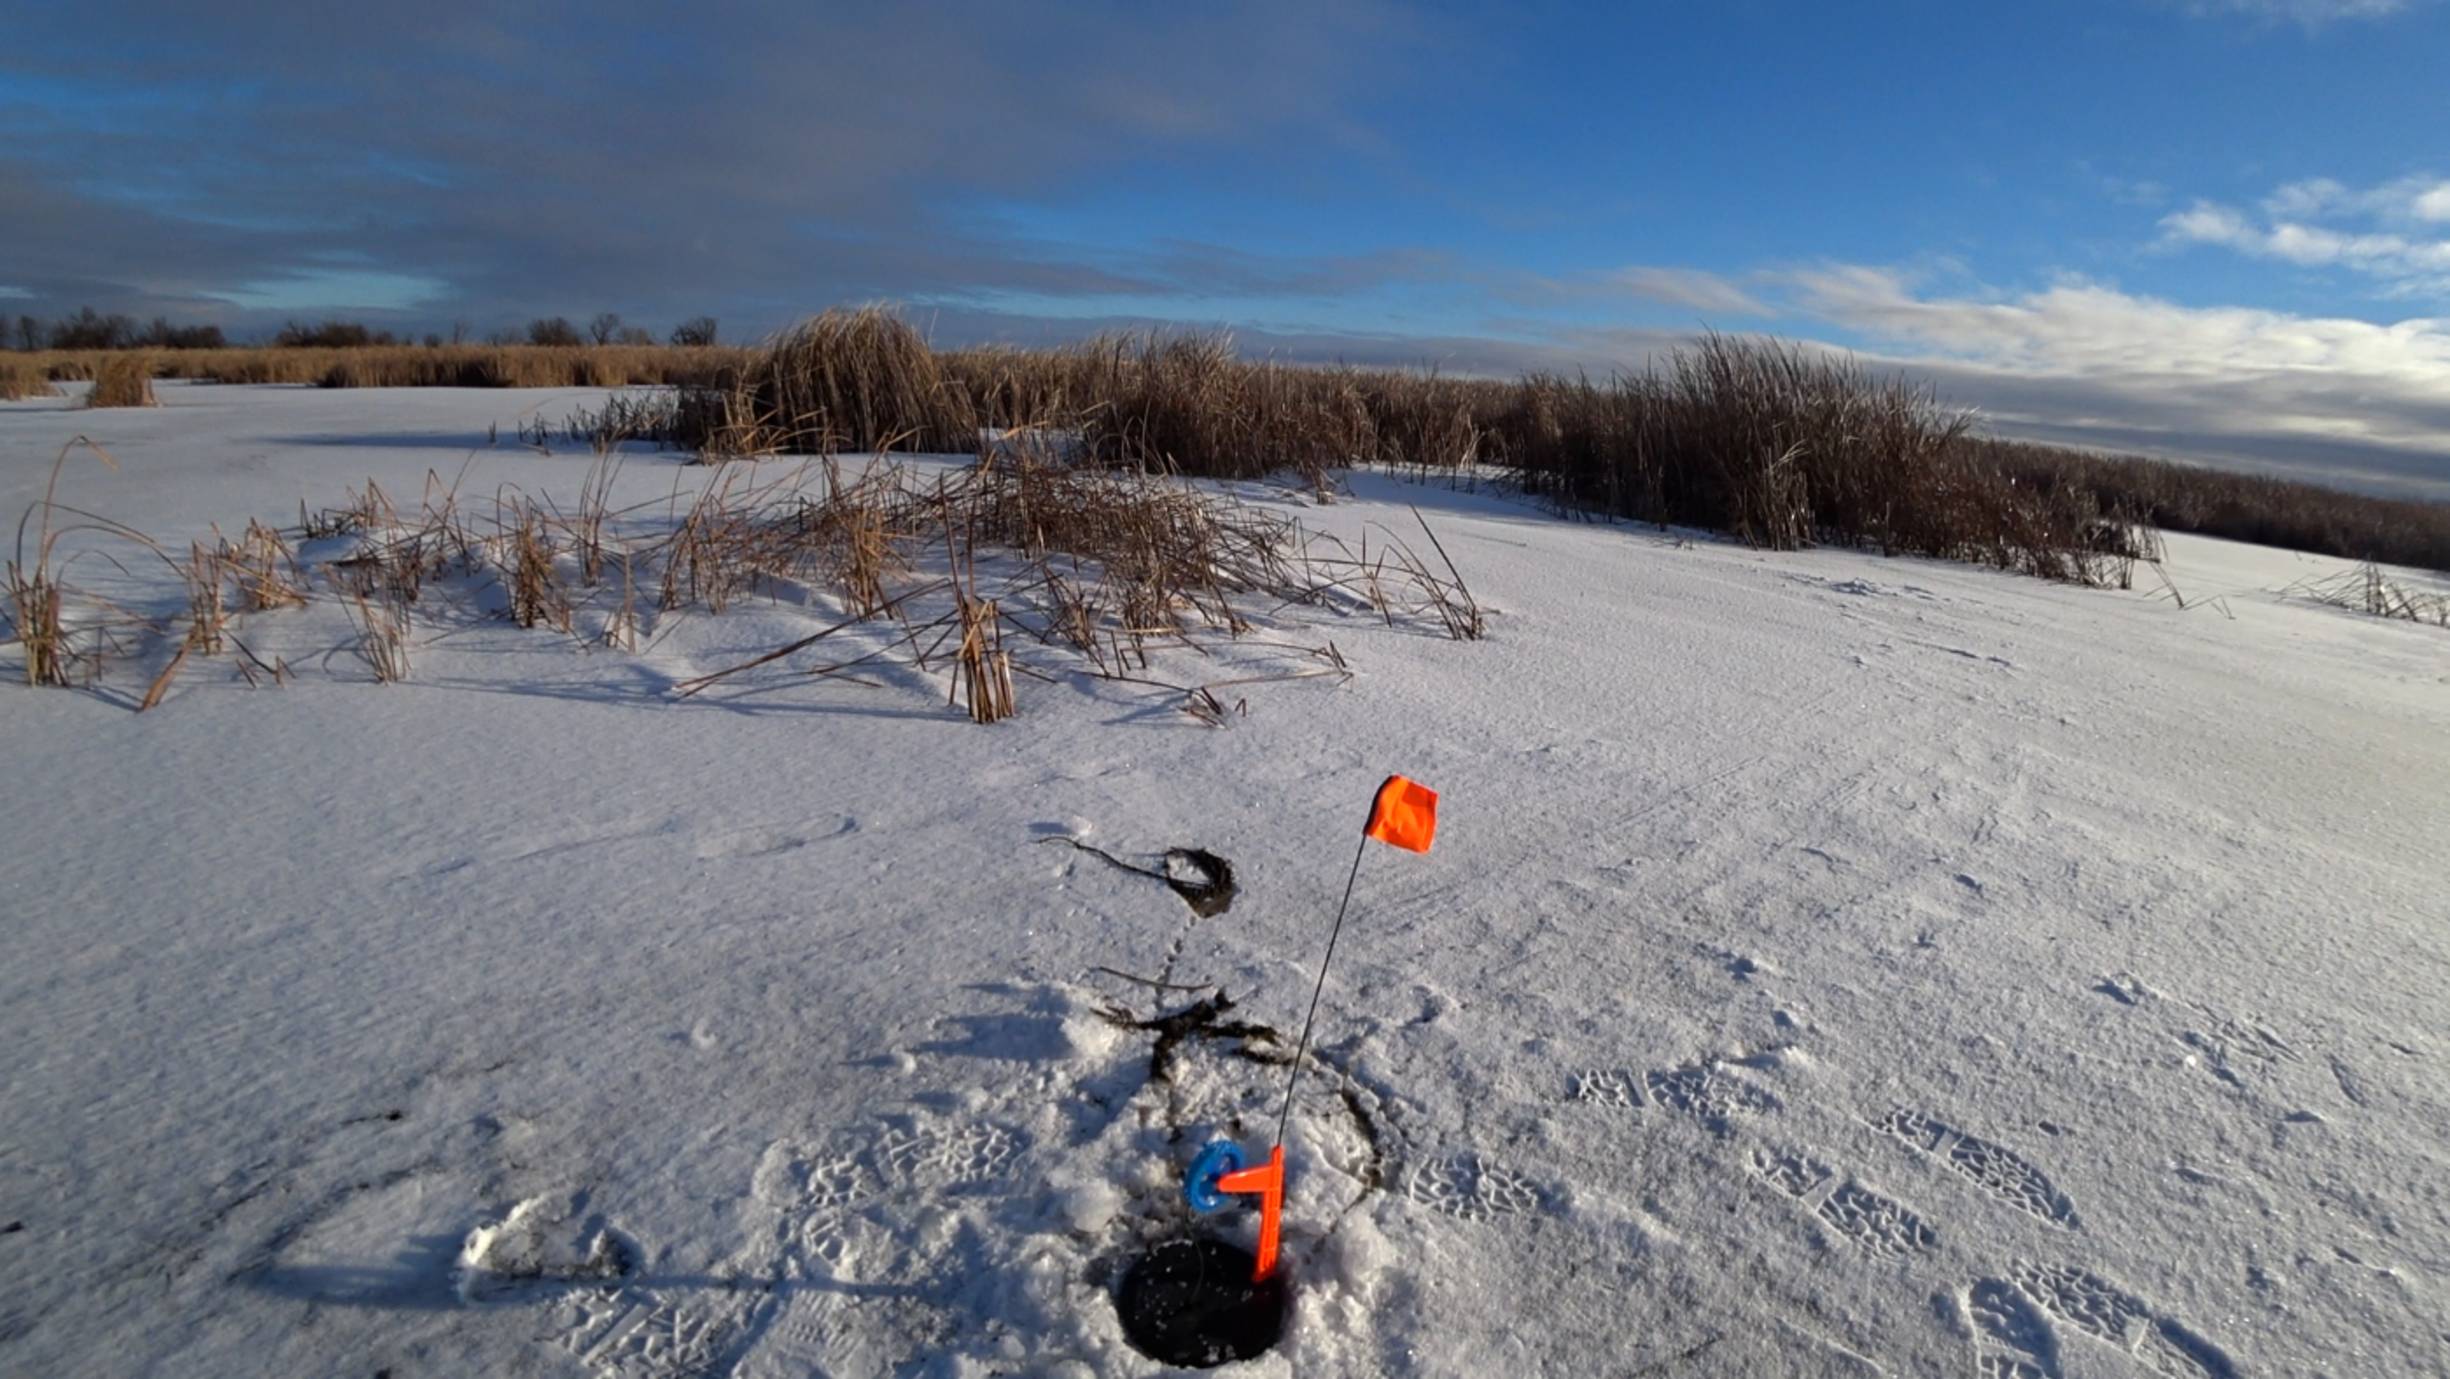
{"points": [[1199, 1187]]}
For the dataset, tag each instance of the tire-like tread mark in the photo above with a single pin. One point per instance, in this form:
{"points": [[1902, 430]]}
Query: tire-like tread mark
{"points": [[1995, 1168], [947, 1158], [820, 1333], [1792, 1172], [1707, 1094], [1866, 1219], [2110, 1314], [628, 1333], [1704, 1091], [1470, 1188], [1611, 1087], [2087, 1302], [1882, 1225], [2012, 1340]]}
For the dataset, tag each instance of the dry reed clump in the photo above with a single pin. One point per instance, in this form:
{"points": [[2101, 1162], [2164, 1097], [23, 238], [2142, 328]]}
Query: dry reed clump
{"points": [[720, 423], [35, 622], [854, 534], [982, 678], [2372, 590], [263, 569], [1187, 404], [208, 613], [1782, 446], [859, 380], [123, 380], [1097, 568], [22, 378], [528, 561], [725, 544], [382, 624], [51, 649], [1021, 565]]}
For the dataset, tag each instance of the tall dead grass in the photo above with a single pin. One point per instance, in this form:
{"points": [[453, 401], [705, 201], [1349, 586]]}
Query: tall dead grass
{"points": [[2255, 508], [1096, 568], [1021, 566], [123, 380], [382, 623], [1782, 446], [860, 380], [22, 378], [2372, 590], [54, 649], [413, 366], [1775, 444]]}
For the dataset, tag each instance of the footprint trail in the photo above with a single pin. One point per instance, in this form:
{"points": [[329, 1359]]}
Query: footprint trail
{"points": [[1996, 1169], [1869, 1220]]}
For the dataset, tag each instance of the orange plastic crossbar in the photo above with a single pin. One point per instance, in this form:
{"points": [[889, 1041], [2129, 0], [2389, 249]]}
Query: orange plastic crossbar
{"points": [[1268, 1182]]}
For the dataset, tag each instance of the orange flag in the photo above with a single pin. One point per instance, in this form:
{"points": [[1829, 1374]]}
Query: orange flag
{"points": [[1405, 815]]}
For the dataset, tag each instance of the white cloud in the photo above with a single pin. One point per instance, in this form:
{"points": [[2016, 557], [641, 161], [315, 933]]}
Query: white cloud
{"points": [[2208, 222], [2313, 197], [2398, 241], [2416, 198]]}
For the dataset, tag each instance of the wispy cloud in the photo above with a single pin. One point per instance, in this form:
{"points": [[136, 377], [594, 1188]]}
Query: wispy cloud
{"points": [[2312, 14], [2397, 233], [1689, 287], [2418, 198]]}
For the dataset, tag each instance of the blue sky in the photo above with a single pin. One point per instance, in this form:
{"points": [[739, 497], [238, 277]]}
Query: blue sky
{"points": [[2205, 227]]}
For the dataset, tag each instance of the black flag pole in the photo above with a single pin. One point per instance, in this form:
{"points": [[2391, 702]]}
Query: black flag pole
{"points": [[1294, 1077]]}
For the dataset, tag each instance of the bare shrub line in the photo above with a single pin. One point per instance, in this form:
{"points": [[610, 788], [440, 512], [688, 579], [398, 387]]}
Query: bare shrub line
{"points": [[1776, 444]]}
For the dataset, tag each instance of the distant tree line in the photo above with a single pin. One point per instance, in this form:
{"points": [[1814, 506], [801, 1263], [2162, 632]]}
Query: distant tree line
{"points": [[91, 330]]}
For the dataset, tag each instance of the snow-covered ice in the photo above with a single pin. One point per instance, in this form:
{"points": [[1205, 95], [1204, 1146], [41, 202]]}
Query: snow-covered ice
{"points": [[1829, 965]]}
